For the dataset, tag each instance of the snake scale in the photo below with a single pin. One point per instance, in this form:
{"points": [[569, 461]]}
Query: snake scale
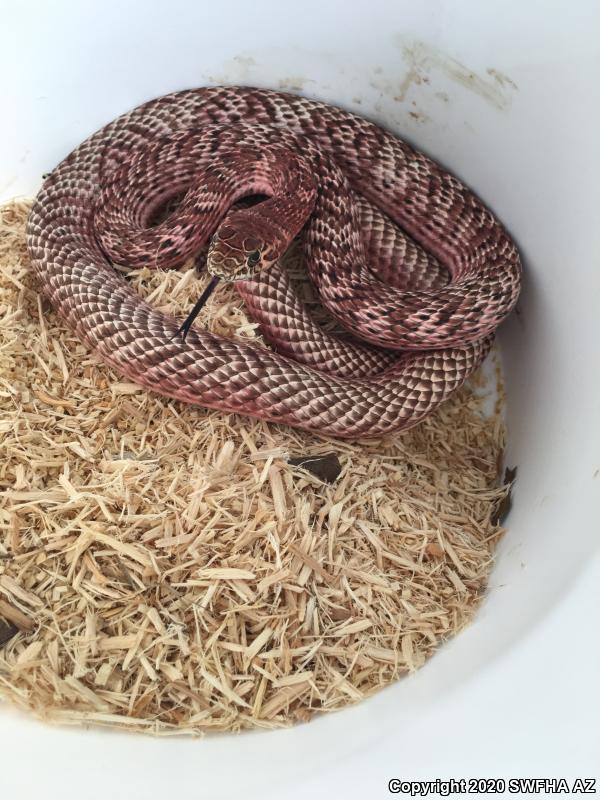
{"points": [[413, 266]]}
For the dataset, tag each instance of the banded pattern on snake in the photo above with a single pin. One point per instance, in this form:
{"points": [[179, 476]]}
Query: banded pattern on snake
{"points": [[416, 269]]}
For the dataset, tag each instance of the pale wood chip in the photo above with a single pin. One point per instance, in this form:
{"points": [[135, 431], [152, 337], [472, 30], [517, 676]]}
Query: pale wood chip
{"points": [[10, 587], [16, 616]]}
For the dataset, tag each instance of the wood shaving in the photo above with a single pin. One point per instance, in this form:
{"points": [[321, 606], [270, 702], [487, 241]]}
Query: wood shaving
{"points": [[169, 571]]}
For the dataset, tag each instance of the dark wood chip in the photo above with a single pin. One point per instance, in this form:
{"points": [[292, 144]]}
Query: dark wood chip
{"points": [[7, 631], [327, 468], [504, 506], [510, 474]]}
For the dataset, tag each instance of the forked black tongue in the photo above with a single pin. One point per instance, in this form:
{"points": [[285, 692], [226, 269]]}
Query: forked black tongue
{"points": [[184, 329]]}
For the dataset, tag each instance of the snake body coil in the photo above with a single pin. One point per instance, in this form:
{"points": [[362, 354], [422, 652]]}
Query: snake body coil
{"points": [[402, 254]]}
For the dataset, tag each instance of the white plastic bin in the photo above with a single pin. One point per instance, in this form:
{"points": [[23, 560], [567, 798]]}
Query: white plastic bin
{"points": [[505, 94]]}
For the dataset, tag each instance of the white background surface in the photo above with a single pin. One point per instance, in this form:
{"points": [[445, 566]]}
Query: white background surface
{"points": [[517, 693]]}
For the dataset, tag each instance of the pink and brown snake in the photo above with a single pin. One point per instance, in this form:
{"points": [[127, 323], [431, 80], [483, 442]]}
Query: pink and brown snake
{"points": [[408, 260]]}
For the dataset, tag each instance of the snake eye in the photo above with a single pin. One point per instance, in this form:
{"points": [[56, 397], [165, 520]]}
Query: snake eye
{"points": [[253, 258]]}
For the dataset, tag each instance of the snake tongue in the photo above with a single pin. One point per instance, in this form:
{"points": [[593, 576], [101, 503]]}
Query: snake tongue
{"points": [[184, 329]]}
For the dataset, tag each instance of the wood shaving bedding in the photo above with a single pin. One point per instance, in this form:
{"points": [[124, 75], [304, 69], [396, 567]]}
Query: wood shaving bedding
{"points": [[164, 568]]}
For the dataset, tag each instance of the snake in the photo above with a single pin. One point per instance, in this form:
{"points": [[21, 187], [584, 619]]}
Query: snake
{"points": [[413, 269]]}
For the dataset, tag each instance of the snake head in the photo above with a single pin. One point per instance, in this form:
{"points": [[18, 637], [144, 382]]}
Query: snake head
{"points": [[237, 254]]}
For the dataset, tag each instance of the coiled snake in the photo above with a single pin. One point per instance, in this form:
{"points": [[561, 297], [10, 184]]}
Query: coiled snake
{"points": [[403, 256]]}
